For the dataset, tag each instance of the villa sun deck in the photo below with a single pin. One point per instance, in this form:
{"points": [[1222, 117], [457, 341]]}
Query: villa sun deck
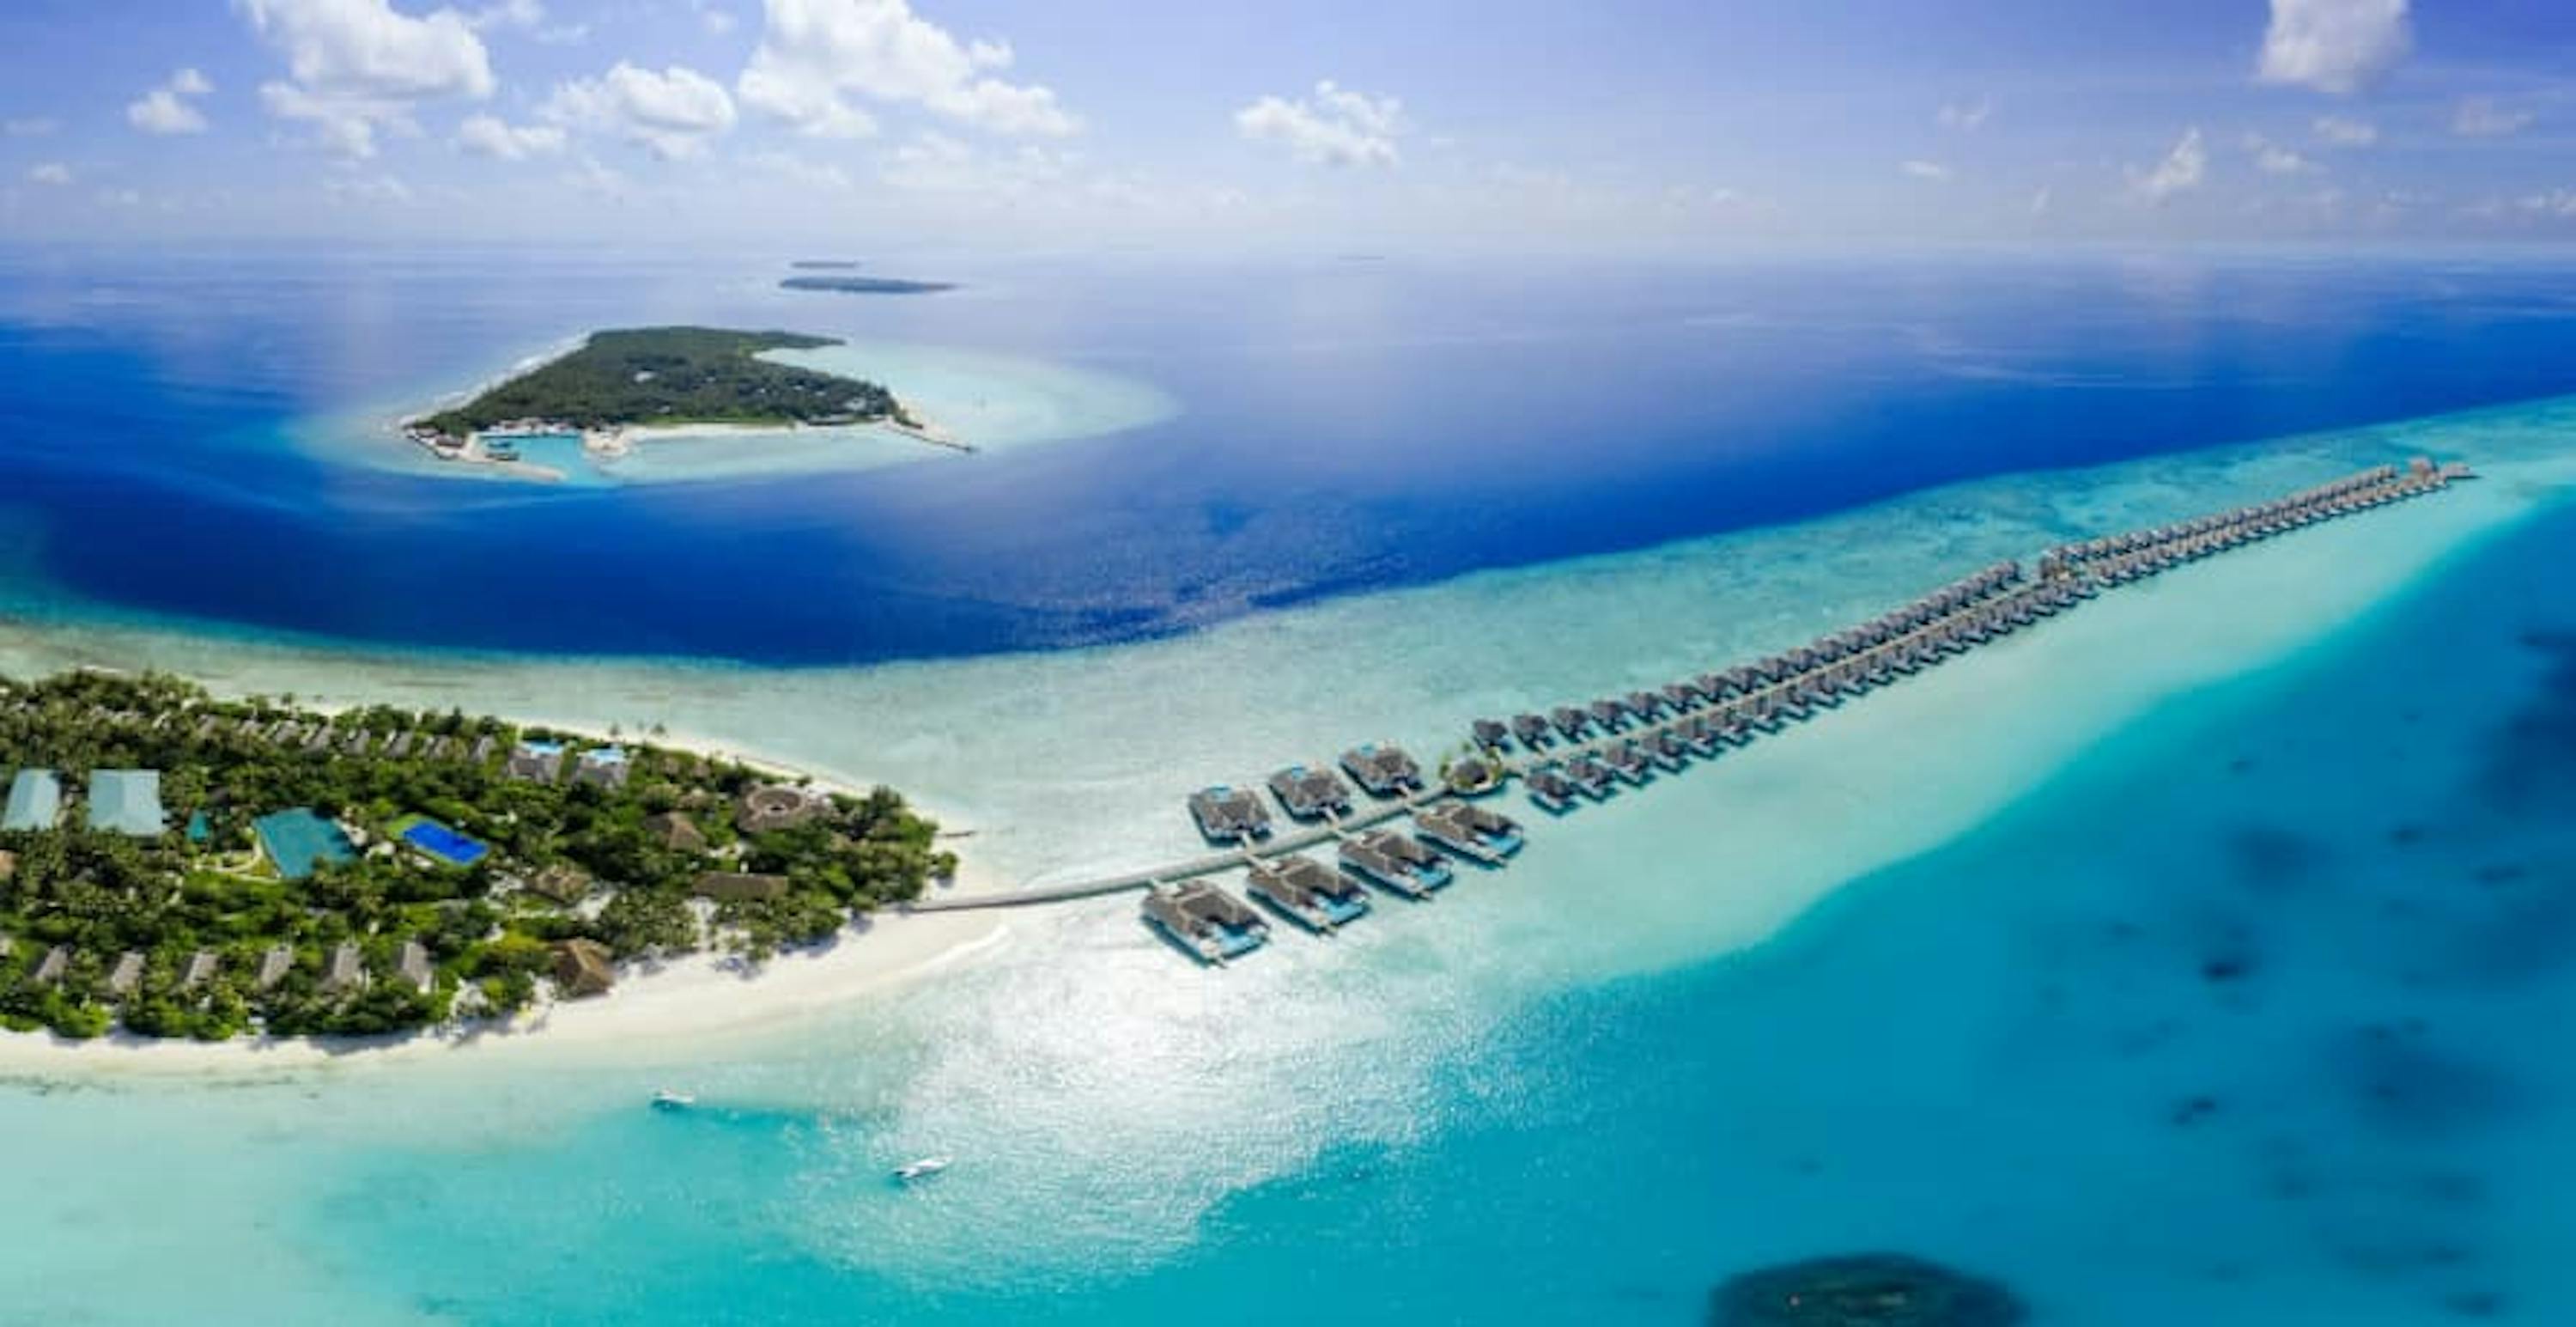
{"points": [[1229, 815], [1383, 769], [1396, 861], [1469, 830], [1309, 793], [1306, 892], [1206, 921]]}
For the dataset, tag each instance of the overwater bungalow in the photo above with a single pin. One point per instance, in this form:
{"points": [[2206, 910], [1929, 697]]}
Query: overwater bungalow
{"points": [[1383, 769], [1205, 921], [1667, 749], [1696, 733], [1530, 730], [1680, 697], [1396, 861], [126, 975], [1589, 774], [1229, 815], [1569, 721], [1645, 704], [1470, 831], [1491, 734], [1627, 761], [1550, 789], [1608, 713], [1311, 794], [1306, 892]]}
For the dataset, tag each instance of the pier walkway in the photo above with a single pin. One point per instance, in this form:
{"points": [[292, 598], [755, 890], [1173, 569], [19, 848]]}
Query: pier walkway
{"points": [[1738, 706]]}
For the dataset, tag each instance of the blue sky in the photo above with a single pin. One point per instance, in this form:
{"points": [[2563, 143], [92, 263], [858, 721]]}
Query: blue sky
{"points": [[1501, 124]]}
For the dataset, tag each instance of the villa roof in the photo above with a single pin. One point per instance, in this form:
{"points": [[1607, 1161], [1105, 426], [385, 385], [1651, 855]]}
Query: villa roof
{"points": [[735, 885], [676, 832], [126, 801], [582, 968], [414, 964], [35, 800], [274, 965], [347, 968], [128, 973]]}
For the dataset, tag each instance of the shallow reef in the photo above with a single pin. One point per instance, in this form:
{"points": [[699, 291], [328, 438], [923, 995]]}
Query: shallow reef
{"points": [[1863, 1290]]}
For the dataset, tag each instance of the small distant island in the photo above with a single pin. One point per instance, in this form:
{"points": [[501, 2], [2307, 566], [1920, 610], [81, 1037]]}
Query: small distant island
{"points": [[865, 285], [665, 378], [178, 865]]}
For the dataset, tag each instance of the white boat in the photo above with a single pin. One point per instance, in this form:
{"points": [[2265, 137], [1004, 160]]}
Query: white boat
{"points": [[920, 1170], [666, 1099]]}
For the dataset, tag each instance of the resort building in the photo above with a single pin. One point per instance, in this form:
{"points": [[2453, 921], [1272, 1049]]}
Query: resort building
{"points": [[732, 886], [582, 968], [414, 965], [676, 832], [348, 969], [298, 841], [49, 969], [8, 864], [127, 974], [535, 762], [601, 767], [775, 806], [1229, 815], [274, 965], [126, 801], [562, 882], [200, 970], [35, 801]]}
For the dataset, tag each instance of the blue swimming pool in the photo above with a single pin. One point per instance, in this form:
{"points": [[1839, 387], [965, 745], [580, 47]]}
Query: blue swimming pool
{"points": [[445, 844], [298, 841]]}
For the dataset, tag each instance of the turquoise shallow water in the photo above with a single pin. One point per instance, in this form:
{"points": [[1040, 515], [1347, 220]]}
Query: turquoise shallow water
{"points": [[2244, 1019]]}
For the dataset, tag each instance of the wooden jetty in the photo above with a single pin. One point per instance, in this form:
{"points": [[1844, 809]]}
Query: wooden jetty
{"points": [[1585, 748]]}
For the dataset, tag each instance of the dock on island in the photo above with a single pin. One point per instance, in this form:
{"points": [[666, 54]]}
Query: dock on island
{"points": [[1577, 752]]}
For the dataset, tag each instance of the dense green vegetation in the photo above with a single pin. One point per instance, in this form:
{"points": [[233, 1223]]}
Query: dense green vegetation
{"points": [[569, 859], [672, 375]]}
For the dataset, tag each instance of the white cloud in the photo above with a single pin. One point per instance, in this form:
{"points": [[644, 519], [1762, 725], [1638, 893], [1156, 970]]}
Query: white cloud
{"points": [[716, 19], [938, 163], [814, 55], [1927, 170], [521, 14], [2344, 132], [2560, 203], [375, 189], [1337, 127], [357, 66], [2273, 159], [2181, 170], [673, 112], [814, 176], [491, 136], [2338, 46], [167, 109], [2480, 117], [1968, 116], [33, 126], [50, 172], [2042, 200]]}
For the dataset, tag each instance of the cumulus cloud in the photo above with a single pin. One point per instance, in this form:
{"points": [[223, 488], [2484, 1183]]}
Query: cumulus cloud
{"points": [[1926, 170], [1336, 127], [2273, 159], [2337, 46], [32, 126], [2344, 132], [816, 55], [2558, 203], [1969, 116], [674, 112], [358, 66], [2180, 172], [939, 163], [2480, 117], [170, 108], [49, 172], [491, 136], [522, 14]]}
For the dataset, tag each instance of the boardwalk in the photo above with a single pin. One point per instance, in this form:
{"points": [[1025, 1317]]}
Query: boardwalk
{"points": [[1742, 703]]}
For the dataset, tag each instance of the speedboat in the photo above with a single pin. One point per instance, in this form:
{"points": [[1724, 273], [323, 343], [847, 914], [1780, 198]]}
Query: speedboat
{"points": [[920, 1170], [666, 1099]]}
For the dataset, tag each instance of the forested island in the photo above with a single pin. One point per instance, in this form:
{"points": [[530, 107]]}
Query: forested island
{"points": [[180, 865], [660, 376], [865, 285]]}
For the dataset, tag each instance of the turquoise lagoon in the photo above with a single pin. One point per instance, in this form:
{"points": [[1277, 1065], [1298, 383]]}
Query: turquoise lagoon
{"points": [[2195, 958]]}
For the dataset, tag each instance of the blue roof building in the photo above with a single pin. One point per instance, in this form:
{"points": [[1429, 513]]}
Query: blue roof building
{"points": [[35, 800], [126, 801]]}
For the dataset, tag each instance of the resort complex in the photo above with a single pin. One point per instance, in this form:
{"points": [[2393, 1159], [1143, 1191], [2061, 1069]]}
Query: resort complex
{"points": [[180, 865], [1587, 752]]}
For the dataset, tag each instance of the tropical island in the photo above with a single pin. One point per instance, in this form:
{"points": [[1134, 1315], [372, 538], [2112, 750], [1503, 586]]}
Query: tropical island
{"points": [[865, 285], [659, 378], [179, 865]]}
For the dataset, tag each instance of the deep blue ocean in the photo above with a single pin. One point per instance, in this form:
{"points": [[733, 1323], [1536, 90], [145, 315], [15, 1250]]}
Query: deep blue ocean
{"points": [[1343, 426]]}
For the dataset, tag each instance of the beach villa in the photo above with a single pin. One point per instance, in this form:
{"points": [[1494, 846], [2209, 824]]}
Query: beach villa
{"points": [[535, 762], [676, 832], [601, 766], [774, 807], [126, 801], [35, 800]]}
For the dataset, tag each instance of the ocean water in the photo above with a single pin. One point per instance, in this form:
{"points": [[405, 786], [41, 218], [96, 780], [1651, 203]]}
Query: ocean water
{"points": [[2195, 958]]}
